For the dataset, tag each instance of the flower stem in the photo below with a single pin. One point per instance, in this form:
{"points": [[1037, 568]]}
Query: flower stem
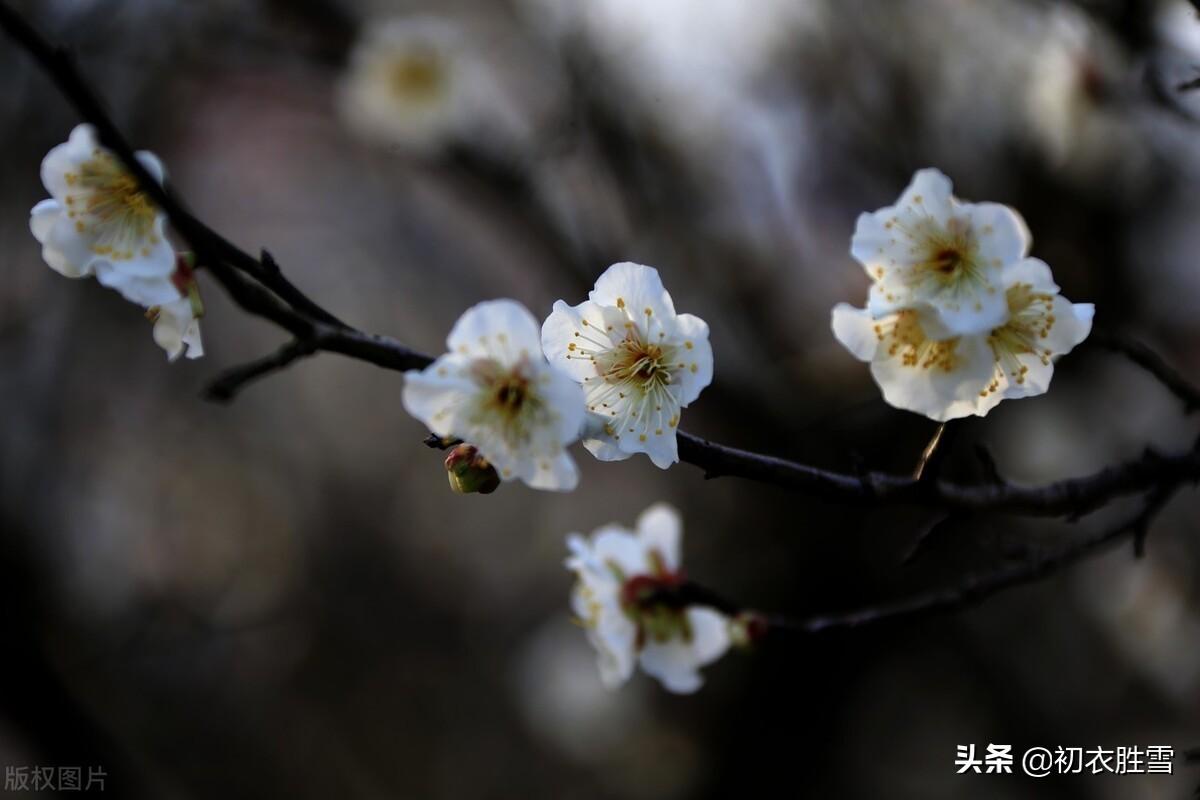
{"points": [[931, 457]]}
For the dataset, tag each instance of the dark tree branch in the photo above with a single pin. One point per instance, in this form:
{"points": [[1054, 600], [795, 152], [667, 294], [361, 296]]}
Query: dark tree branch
{"points": [[968, 592], [209, 245], [1075, 496], [259, 288], [227, 386]]}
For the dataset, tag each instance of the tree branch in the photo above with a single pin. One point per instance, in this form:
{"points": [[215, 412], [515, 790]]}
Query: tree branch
{"points": [[260, 288], [208, 244], [970, 591], [227, 386]]}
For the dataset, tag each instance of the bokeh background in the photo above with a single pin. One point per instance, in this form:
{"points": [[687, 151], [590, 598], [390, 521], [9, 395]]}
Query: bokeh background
{"points": [[282, 597]]}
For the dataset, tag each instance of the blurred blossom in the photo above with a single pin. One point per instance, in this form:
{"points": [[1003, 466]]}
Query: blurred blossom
{"points": [[619, 575], [708, 83], [1071, 99], [565, 702], [679, 60], [1145, 608], [1178, 26], [409, 83], [424, 84]]}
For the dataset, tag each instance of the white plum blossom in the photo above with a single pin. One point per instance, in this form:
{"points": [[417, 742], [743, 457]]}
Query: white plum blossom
{"points": [[177, 328], [411, 83], [933, 250], [495, 390], [619, 572], [638, 361], [99, 222], [922, 367]]}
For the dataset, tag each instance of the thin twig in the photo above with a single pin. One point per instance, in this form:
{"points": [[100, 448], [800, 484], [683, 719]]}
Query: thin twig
{"points": [[968, 592], [230, 383], [979, 587], [927, 465]]}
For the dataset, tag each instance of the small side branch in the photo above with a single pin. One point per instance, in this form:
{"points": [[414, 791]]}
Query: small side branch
{"points": [[230, 383], [970, 591]]}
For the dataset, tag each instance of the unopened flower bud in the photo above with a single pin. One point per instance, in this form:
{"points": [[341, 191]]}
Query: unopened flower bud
{"points": [[747, 629], [469, 472]]}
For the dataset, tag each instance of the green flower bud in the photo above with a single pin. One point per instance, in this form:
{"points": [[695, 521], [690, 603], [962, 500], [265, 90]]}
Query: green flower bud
{"points": [[470, 472]]}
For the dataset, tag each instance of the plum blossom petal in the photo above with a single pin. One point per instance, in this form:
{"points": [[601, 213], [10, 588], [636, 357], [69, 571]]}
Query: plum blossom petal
{"points": [[495, 390], [101, 214], [659, 530], [1042, 326], [941, 379], [638, 361], [618, 574], [676, 662], [921, 369], [935, 250], [177, 329]]}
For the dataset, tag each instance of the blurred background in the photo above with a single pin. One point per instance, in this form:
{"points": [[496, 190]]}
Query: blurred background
{"points": [[283, 598]]}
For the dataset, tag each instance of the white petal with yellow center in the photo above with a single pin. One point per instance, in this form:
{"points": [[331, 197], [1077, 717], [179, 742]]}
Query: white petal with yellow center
{"points": [[639, 362], [935, 250], [495, 390], [1042, 326], [99, 214], [920, 367], [943, 379]]}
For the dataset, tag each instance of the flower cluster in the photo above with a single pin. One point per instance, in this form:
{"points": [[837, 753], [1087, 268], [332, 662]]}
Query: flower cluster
{"points": [[958, 316], [623, 599], [616, 370], [99, 222]]}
